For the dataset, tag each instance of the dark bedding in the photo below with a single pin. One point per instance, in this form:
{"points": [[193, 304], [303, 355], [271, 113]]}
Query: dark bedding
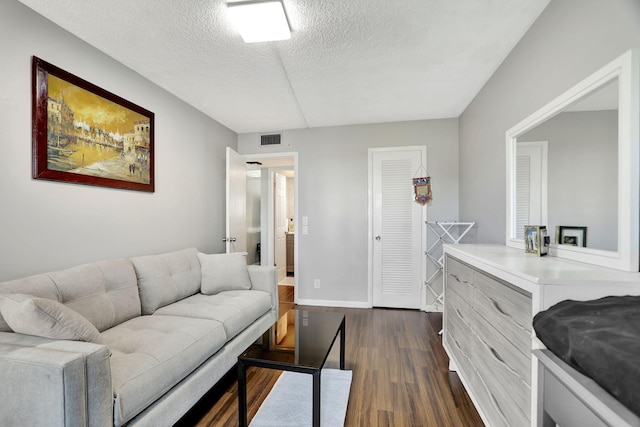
{"points": [[601, 339]]}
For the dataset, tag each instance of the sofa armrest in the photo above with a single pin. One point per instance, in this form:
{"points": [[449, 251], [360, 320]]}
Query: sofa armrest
{"points": [[265, 278], [49, 382]]}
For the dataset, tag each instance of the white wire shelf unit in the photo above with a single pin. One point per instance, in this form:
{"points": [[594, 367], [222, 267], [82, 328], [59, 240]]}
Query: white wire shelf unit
{"points": [[444, 232]]}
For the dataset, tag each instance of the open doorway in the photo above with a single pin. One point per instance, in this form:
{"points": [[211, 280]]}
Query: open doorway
{"points": [[272, 189]]}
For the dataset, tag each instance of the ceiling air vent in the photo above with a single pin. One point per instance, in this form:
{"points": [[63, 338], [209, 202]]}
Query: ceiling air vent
{"points": [[273, 139]]}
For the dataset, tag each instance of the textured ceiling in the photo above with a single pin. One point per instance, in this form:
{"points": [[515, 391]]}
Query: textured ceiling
{"points": [[347, 62]]}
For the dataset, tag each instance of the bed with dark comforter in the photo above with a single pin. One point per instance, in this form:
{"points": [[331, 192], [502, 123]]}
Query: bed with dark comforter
{"points": [[599, 338]]}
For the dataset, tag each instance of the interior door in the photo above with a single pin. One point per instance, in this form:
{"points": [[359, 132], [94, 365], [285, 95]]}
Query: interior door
{"points": [[280, 224], [236, 217], [397, 232]]}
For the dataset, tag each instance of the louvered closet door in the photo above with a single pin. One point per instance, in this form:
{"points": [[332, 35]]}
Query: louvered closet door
{"points": [[397, 230], [531, 191]]}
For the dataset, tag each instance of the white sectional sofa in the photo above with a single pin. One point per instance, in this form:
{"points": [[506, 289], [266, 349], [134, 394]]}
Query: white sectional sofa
{"points": [[127, 342]]}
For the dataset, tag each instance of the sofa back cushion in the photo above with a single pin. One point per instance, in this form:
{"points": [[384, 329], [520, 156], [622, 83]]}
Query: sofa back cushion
{"points": [[224, 272], [104, 292], [45, 317], [167, 278]]}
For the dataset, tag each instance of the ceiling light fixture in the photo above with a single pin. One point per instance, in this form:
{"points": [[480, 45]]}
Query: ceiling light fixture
{"points": [[260, 21]]}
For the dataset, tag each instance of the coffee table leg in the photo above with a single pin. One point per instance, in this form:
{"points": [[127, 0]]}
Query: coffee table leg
{"points": [[316, 398], [242, 395], [342, 340]]}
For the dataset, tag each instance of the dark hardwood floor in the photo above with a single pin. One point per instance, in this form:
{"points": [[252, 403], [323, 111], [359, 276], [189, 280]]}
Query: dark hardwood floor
{"points": [[400, 376]]}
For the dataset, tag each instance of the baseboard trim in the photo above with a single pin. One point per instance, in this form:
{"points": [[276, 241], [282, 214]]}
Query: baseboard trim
{"points": [[433, 308], [333, 303]]}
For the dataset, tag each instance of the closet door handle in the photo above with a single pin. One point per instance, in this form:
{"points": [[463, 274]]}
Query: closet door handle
{"points": [[378, 237]]}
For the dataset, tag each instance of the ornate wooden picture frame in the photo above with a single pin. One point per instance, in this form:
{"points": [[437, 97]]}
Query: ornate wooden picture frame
{"points": [[86, 135], [536, 240]]}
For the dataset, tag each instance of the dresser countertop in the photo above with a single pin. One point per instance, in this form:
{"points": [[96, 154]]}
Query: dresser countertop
{"points": [[503, 261], [548, 279]]}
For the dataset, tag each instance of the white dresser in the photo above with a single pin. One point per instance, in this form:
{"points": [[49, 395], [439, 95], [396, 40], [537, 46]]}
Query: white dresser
{"points": [[491, 294]]}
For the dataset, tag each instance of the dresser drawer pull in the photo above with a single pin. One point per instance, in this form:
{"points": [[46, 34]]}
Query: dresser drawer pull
{"points": [[497, 355], [497, 306], [504, 313], [460, 313], [459, 347], [499, 358], [458, 278]]}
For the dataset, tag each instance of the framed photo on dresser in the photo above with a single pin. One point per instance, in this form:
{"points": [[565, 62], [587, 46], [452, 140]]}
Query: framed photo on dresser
{"points": [[571, 235]]}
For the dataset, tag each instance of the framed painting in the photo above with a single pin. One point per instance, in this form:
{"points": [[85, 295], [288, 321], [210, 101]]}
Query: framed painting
{"points": [[86, 135]]}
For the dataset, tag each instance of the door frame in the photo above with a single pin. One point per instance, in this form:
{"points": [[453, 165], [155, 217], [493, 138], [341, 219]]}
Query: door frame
{"points": [[423, 243], [231, 187], [268, 257], [279, 253]]}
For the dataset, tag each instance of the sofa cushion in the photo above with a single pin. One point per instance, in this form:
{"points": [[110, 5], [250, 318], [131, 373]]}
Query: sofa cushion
{"points": [[166, 278], [105, 292], [235, 309], [46, 318], [151, 354], [224, 272]]}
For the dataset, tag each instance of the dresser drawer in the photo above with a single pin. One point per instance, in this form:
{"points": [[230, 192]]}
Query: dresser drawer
{"points": [[459, 279], [500, 348], [508, 310], [475, 385], [457, 322], [457, 307], [506, 370], [507, 393], [472, 381], [459, 270]]}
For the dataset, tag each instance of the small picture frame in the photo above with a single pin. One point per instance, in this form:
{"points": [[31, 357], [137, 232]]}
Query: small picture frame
{"points": [[536, 240], [571, 235]]}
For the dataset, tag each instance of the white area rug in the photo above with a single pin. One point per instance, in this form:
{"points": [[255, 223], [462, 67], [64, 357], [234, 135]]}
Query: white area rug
{"points": [[290, 401]]}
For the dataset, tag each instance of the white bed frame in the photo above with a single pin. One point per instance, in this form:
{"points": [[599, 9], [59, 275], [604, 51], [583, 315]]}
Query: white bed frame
{"points": [[568, 398]]}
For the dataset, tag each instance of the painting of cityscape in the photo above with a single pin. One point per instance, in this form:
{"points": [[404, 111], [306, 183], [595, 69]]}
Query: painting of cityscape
{"points": [[84, 134]]}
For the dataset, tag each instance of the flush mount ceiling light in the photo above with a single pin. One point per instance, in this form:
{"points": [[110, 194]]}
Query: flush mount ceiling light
{"points": [[260, 21]]}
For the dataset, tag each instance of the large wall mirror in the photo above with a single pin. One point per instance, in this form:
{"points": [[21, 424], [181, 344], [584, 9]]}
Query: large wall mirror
{"points": [[573, 167]]}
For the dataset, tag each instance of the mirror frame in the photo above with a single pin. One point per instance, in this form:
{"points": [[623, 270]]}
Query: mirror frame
{"points": [[626, 69]]}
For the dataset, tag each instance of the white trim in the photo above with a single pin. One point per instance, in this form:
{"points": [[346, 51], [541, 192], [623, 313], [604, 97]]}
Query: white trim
{"points": [[626, 69], [432, 308], [334, 303], [423, 263]]}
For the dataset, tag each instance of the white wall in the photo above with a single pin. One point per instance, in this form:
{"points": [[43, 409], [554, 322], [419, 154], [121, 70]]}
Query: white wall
{"points": [[333, 184], [48, 225], [570, 40]]}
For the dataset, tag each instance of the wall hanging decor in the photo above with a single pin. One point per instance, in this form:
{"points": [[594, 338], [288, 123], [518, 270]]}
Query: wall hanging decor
{"points": [[422, 187], [86, 135]]}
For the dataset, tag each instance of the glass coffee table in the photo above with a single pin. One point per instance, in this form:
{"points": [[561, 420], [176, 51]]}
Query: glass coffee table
{"points": [[315, 334]]}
